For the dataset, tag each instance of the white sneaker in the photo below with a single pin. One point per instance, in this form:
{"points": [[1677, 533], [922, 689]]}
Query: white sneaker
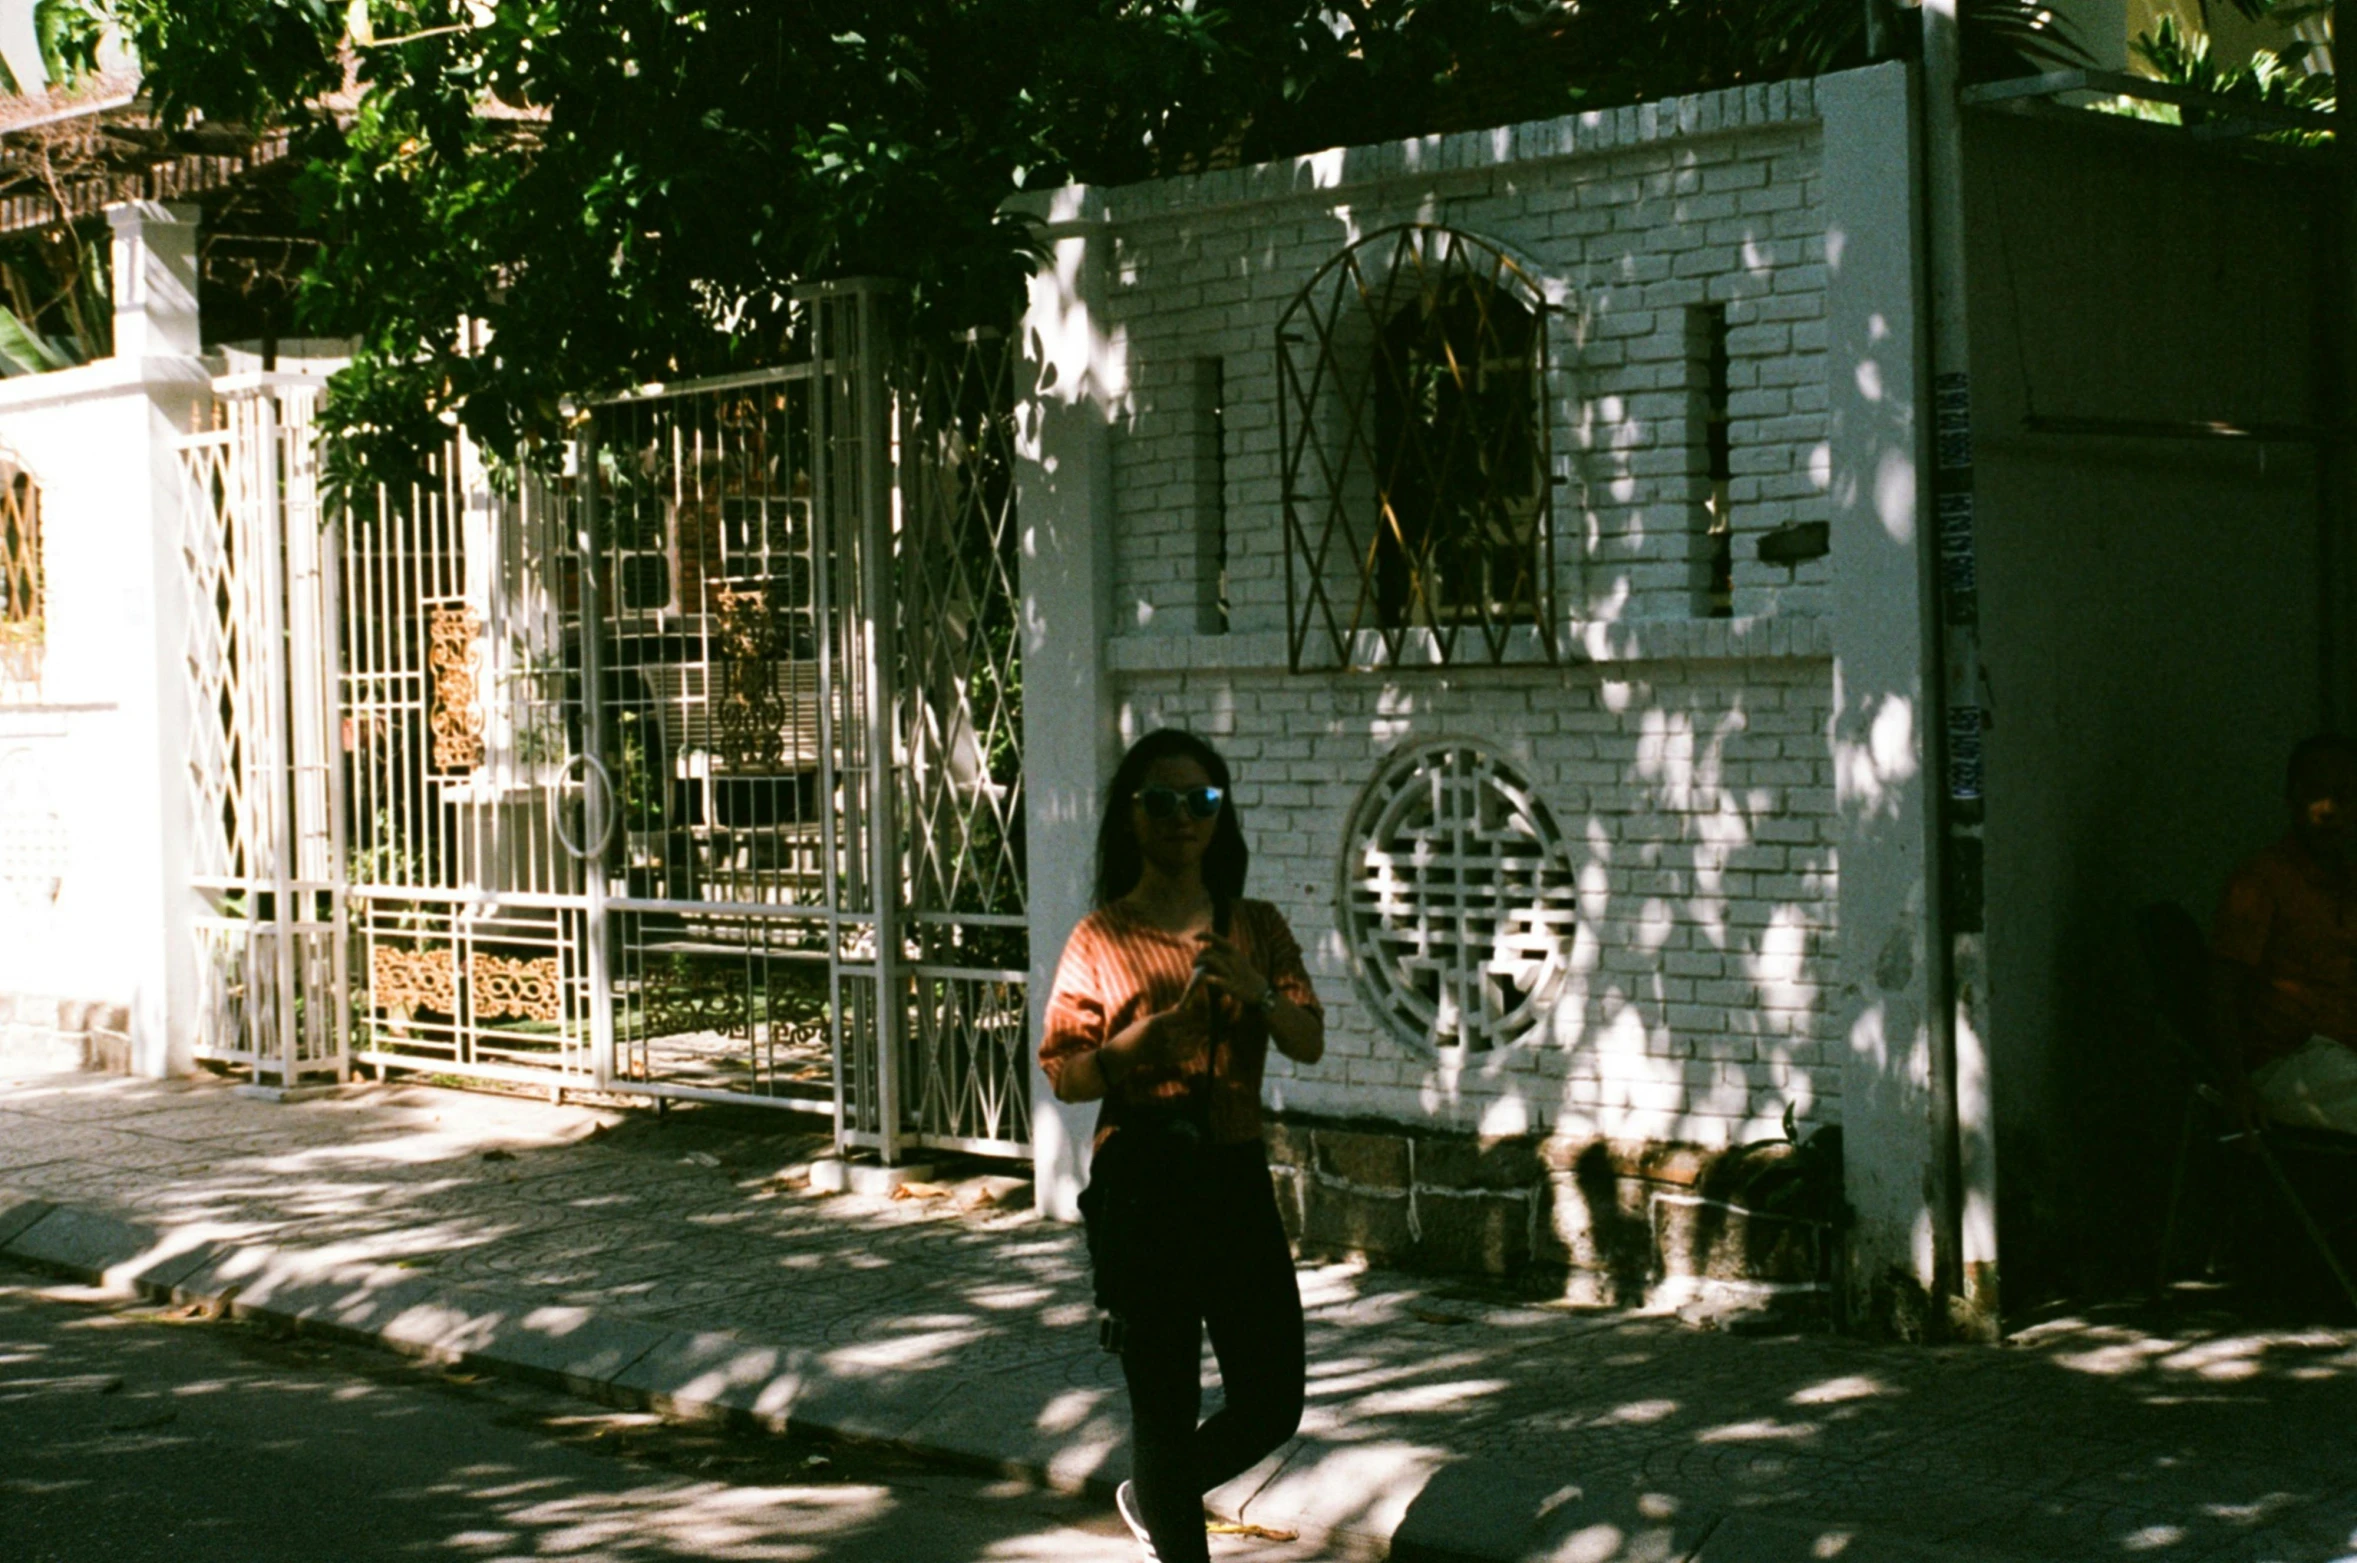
{"points": [[1125, 1499]]}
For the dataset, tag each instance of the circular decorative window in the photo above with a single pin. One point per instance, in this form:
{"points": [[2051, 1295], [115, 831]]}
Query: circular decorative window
{"points": [[1458, 899]]}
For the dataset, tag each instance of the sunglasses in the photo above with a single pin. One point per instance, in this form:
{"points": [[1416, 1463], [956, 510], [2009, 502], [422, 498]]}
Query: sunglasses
{"points": [[1166, 802]]}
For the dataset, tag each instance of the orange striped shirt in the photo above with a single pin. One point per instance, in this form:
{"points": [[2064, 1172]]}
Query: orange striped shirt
{"points": [[1118, 968]]}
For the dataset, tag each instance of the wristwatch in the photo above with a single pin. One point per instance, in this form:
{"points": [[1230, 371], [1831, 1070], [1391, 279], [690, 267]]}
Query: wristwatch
{"points": [[1267, 1002]]}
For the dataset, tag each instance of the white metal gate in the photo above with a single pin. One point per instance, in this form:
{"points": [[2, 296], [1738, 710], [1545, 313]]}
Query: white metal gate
{"points": [[736, 530], [693, 772], [266, 838]]}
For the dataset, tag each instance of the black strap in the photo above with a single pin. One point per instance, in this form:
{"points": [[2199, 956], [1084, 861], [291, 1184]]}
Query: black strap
{"points": [[1215, 1025]]}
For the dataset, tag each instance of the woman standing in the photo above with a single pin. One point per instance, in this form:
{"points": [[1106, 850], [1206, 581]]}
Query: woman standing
{"points": [[1166, 1002]]}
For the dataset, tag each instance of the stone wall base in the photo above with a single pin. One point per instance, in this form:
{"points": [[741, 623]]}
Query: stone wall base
{"points": [[62, 1034], [1621, 1223]]}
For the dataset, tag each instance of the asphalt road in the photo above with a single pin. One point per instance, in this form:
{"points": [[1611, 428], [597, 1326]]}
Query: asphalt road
{"points": [[135, 1433]]}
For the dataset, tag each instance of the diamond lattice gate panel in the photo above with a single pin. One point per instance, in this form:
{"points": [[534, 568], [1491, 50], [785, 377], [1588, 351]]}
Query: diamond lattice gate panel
{"points": [[266, 794], [957, 566]]}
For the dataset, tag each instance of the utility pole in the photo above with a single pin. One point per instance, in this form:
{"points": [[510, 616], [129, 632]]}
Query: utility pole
{"points": [[1966, 1207]]}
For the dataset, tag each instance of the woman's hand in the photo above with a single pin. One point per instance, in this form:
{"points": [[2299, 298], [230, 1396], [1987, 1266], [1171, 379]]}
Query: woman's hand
{"points": [[1218, 960], [1171, 1037], [1162, 1039], [1298, 1033]]}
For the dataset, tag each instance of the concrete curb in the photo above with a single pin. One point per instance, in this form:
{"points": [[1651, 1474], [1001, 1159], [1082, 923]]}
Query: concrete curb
{"points": [[621, 1362], [1427, 1505]]}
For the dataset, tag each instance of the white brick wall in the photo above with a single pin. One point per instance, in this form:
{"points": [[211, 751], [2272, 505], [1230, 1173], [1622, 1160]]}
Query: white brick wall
{"points": [[1689, 763], [1633, 237], [1695, 801]]}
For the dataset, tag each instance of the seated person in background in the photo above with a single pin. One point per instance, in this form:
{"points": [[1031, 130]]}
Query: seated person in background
{"points": [[2284, 942]]}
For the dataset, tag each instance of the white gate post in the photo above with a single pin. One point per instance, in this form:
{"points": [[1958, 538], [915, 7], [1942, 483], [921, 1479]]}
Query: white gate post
{"points": [[1895, 1164], [598, 801], [155, 280], [156, 341], [875, 511], [1071, 377], [267, 516]]}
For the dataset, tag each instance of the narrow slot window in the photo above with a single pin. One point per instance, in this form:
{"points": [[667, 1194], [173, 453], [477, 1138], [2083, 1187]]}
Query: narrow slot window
{"points": [[1211, 497], [1714, 587]]}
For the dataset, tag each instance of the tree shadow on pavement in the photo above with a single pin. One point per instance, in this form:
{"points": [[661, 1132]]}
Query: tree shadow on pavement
{"points": [[1458, 1426], [135, 1434]]}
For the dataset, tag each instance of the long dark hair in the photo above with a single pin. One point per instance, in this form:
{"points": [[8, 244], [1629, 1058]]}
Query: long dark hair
{"points": [[1119, 861]]}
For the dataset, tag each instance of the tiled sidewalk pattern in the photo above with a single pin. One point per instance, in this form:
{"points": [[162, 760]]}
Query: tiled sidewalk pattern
{"points": [[1439, 1424]]}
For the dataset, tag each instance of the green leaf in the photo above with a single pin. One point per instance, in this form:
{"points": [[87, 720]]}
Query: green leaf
{"points": [[68, 33], [23, 351]]}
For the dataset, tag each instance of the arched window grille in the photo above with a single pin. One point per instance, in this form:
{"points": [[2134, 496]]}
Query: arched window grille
{"points": [[21, 609], [1412, 375]]}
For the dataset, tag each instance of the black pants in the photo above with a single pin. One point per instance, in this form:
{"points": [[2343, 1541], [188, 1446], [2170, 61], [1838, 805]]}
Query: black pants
{"points": [[1236, 1278]]}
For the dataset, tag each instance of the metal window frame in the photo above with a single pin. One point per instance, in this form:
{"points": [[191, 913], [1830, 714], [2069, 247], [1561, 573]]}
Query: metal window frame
{"points": [[1339, 323]]}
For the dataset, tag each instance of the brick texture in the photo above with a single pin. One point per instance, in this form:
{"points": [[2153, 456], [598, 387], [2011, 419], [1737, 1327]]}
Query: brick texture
{"points": [[1601, 1220], [1695, 801], [65, 1033], [1631, 239]]}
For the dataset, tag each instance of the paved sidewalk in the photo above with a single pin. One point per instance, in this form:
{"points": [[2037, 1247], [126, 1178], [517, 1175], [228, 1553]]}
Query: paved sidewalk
{"points": [[669, 1262]]}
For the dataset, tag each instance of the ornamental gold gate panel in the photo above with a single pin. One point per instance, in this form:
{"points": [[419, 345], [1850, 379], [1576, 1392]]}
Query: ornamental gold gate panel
{"points": [[471, 802]]}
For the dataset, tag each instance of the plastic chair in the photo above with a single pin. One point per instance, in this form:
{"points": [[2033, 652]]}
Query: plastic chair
{"points": [[2178, 961]]}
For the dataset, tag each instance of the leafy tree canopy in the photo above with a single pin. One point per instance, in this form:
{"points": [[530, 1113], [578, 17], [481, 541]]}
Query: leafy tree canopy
{"points": [[622, 190], [2287, 76]]}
